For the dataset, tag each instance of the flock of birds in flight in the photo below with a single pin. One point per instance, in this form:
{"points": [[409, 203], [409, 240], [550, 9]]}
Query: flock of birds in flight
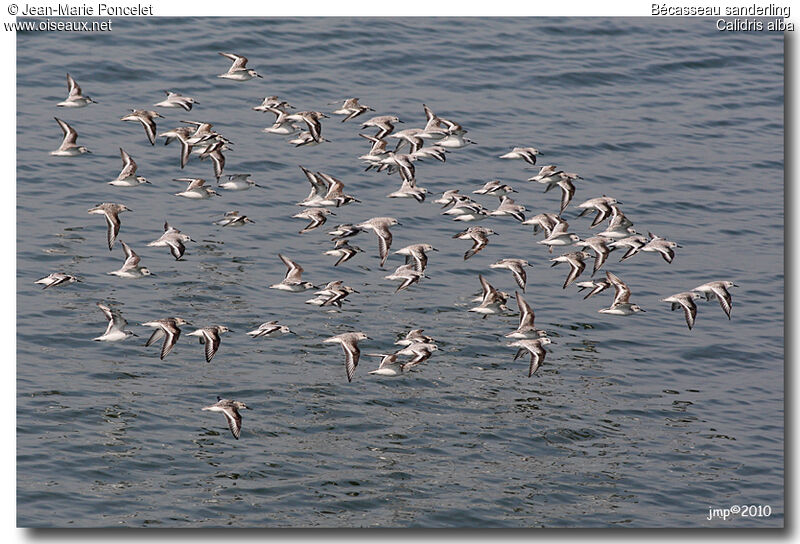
{"points": [[438, 136]]}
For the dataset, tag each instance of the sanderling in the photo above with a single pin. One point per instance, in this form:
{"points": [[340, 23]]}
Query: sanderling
{"points": [[282, 125], [492, 300], [526, 328], [389, 365], [413, 336], [559, 236], [417, 254], [130, 268], [196, 189], [536, 348], [230, 409], [619, 226], [594, 286], [293, 281], [517, 268], [351, 109], [686, 301], [409, 189], [601, 205], [214, 151], [271, 103], [448, 197], [384, 123], [312, 121], [233, 218], [209, 337], [495, 188], [335, 195], [455, 141], [75, 98], [527, 154], [270, 328], [68, 147], [176, 100], [599, 245], [116, 326], [344, 231], [544, 222], [167, 328], [576, 265], [377, 152], [317, 216], [173, 239], [147, 119], [332, 294], [343, 250], [111, 212], [567, 192], [418, 351], [622, 295], [403, 163], [662, 246], [479, 236], [547, 175], [720, 290], [349, 342], [380, 226], [407, 274], [127, 177], [507, 206], [634, 243], [55, 279], [238, 70], [238, 182]]}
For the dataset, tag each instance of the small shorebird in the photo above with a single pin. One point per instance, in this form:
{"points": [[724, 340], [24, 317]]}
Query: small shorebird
{"points": [[127, 177], [238, 182], [343, 250], [517, 268], [594, 286], [130, 268], [536, 348], [384, 124], [414, 336], [492, 300], [196, 190], [293, 281], [495, 188], [527, 154], [559, 236], [168, 329], [176, 100], [317, 216], [55, 279], [209, 336], [351, 109], [576, 265], [75, 98], [600, 204], [685, 300], [720, 290], [173, 239], [116, 326], [544, 222], [214, 151], [599, 245], [662, 246], [230, 409], [380, 226], [111, 212], [233, 219], [349, 342], [407, 273], [479, 236], [147, 119], [238, 70], [507, 206], [622, 295], [272, 103], [526, 328], [68, 147], [418, 254], [270, 328]]}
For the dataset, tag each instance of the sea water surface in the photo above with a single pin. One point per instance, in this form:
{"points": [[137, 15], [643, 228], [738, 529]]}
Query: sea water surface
{"points": [[632, 421]]}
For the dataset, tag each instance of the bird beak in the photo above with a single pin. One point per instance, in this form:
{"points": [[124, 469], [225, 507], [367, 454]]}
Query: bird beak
{"points": [[259, 75]]}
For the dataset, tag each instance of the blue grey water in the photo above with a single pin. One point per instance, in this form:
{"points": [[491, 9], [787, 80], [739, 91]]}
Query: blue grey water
{"points": [[632, 421]]}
